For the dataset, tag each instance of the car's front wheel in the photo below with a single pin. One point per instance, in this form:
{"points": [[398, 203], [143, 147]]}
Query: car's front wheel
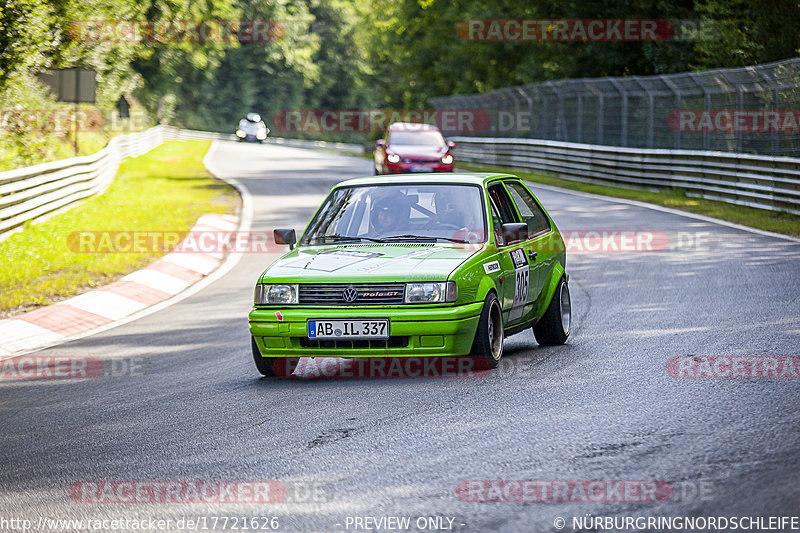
{"points": [[488, 343], [263, 364], [554, 327]]}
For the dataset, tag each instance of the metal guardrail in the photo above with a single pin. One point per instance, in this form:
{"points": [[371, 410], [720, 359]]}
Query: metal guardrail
{"points": [[756, 181], [35, 192], [31, 193]]}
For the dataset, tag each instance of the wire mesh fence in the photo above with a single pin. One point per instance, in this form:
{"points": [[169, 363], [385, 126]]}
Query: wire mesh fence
{"points": [[746, 110]]}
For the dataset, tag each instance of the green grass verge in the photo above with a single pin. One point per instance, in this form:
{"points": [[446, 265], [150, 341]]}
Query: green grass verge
{"points": [[166, 189], [778, 222]]}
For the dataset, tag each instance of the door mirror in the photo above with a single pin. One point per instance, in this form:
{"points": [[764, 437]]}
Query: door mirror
{"points": [[285, 236], [514, 232], [380, 143], [451, 144]]}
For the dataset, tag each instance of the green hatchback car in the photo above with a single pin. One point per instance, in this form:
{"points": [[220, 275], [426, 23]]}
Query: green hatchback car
{"points": [[413, 265]]}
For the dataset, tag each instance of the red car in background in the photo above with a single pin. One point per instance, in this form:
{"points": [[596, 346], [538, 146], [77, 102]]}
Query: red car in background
{"points": [[409, 147]]}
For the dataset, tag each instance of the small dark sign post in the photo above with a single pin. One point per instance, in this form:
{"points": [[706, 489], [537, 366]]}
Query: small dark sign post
{"points": [[75, 85], [123, 107]]}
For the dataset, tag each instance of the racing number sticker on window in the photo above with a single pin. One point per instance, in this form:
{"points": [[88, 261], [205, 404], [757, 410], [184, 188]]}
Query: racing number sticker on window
{"points": [[521, 282]]}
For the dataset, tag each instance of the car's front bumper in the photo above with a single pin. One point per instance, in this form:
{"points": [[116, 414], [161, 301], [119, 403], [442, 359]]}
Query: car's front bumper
{"points": [[414, 331], [407, 168]]}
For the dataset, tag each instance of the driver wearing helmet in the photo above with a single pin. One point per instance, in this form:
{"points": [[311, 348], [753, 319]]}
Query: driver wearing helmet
{"points": [[449, 209], [389, 214], [452, 213]]}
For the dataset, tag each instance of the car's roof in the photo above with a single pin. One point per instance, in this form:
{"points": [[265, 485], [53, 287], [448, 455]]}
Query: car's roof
{"points": [[412, 126], [471, 178]]}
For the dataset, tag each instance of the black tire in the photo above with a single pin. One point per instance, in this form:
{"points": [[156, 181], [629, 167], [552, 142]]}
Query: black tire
{"points": [[554, 327], [488, 343], [263, 364]]}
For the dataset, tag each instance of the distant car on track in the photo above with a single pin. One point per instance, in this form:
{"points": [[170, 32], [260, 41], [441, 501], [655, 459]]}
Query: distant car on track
{"points": [[252, 129], [414, 265], [411, 147]]}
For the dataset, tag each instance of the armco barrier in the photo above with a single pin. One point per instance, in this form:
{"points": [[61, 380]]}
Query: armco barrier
{"points": [[757, 181], [31, 193]]}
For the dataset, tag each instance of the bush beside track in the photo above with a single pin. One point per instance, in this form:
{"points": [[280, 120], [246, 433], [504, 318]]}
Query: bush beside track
{"points": [[166, 189]]}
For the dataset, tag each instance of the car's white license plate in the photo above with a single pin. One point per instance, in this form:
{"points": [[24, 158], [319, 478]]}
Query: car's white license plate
{"points": [[349, 329], [421, 168]]}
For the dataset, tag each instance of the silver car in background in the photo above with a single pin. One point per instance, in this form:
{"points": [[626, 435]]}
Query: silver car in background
{"points": [[252, 129]]}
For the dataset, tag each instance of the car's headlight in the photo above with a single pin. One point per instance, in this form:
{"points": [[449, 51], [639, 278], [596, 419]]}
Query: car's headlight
{"points": [[393, 158], [431, 292], [240, 133], [261, 135], [448, 159], [275, 294]]}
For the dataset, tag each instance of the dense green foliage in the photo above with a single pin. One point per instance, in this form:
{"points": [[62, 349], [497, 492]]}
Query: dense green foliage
{"points": [[419, 55], [349, 54]]}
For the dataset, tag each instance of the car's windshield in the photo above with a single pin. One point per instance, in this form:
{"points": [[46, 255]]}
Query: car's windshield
{"points": [[416, 138], [400, 213]]}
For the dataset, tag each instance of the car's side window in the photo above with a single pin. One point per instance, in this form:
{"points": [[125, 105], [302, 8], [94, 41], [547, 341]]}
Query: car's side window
{"points": [[497, 226], [531, 213], [502, 211]]}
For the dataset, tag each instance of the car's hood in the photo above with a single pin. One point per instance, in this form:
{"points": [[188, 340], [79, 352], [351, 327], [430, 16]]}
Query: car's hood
{"points": [[362, 263], [431, 153]]}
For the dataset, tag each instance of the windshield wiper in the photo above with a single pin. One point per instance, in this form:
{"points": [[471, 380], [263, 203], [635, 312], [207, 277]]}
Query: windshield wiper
{"points": [[392, 238], [421, 237], [340, 238]]}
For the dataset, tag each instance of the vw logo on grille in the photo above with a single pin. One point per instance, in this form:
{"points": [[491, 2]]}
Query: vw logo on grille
{"points": [[350, 294]]}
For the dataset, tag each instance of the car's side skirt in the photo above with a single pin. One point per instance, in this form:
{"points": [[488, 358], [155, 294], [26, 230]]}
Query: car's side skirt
{"points": [[517, 328]]}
